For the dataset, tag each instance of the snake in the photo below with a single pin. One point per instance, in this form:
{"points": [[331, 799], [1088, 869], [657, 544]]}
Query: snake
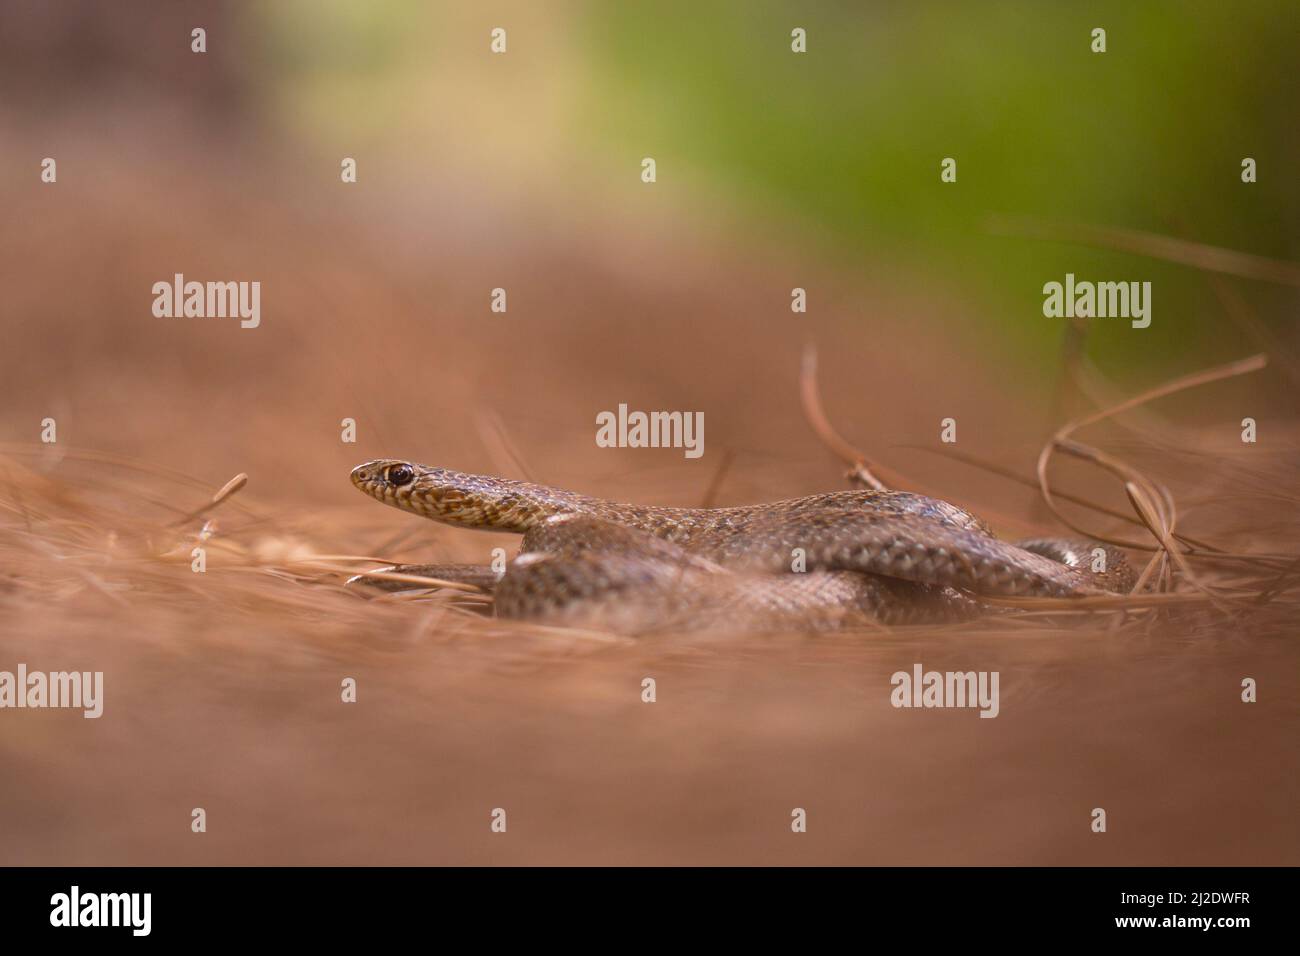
{"points": [[823, 561]]}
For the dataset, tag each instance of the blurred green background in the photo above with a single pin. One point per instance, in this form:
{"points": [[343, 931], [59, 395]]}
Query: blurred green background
{"points": [[839, 149]]}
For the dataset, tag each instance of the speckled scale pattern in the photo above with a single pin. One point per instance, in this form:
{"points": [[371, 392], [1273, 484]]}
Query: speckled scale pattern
{"points": [[888, 556]]}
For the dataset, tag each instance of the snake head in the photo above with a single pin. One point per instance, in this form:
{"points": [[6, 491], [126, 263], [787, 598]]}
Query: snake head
{"points": [[434, 493], [454, 497], [387, 479]]}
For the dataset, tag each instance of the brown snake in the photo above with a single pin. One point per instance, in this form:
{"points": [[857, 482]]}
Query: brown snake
{"points": [[889, 556]]}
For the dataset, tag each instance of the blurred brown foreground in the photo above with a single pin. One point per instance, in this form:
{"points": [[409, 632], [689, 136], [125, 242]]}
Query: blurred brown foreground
{"points": [[223, 689]]}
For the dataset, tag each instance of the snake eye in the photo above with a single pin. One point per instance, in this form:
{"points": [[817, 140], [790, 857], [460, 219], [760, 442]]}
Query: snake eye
{"points": [[400, 475]]}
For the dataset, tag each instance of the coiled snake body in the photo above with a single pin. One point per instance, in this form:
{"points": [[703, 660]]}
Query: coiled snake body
{"points": [[822, 561]]}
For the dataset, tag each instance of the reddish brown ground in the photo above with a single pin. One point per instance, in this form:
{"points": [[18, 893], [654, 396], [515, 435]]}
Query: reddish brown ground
{"points": [[222, 690]]}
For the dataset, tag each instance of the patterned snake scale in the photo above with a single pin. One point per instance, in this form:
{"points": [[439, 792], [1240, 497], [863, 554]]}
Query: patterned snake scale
{"points": [[887, 556]]}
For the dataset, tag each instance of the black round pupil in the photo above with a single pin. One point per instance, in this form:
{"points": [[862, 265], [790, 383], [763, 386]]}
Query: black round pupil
{"points": [[400, 475]]}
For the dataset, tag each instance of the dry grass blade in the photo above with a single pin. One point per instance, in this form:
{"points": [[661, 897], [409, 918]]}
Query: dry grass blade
{"points": [[1253, 363], [229, 488], [860, 471], [417, 579], [1285, 580], [1010, 474], [1154, 566], [1153, 503], [1153, 245]]}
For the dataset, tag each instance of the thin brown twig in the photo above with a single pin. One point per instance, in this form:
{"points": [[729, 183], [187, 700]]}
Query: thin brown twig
{"points": [[861, 472], [1280, 584], [1147, 497], [1011, 475], [419, 579], [1148, 511], [1061, 439], [229, 488]]}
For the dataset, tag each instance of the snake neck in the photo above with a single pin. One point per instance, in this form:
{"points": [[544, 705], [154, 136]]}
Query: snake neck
{"points": [[465, 500]]}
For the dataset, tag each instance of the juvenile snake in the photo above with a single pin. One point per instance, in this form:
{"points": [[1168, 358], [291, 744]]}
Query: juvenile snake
{"points": [[890, 556]]}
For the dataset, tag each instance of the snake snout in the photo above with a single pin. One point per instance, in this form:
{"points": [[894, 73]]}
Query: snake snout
{"points": [[363, 475], [372, 477]]}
